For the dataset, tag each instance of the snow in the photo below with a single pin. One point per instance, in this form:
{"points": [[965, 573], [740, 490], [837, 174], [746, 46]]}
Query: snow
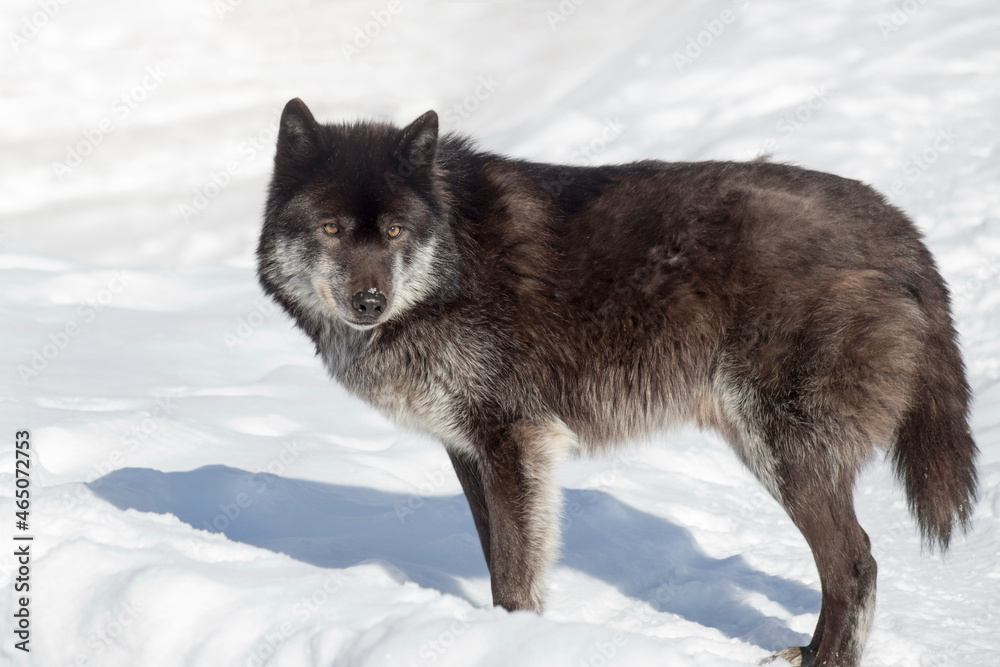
{"points": [[203, 495]]}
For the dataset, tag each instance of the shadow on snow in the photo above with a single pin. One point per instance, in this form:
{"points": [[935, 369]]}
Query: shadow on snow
{"points": [[433, 541]]}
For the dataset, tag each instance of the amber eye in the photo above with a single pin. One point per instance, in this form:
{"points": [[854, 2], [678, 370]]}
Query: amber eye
{"points": [[331, 229], [394, 231]]}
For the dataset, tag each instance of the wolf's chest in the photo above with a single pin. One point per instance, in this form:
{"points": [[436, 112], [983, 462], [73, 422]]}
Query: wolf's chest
{"points": [[433, 386]]}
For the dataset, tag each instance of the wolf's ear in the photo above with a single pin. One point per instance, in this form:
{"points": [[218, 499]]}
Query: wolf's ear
{"points": [[420, 140], [299, 137]]}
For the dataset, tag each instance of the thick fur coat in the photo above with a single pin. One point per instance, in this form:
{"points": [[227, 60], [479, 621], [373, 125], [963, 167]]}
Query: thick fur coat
{"points": [[524, 312]]}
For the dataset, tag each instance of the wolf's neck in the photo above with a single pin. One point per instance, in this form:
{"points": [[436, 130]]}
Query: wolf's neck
{"points": [[339, 346]]}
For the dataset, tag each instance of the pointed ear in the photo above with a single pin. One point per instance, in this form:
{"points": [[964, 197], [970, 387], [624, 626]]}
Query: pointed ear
{"points": [[299, 137], [420, 141]]}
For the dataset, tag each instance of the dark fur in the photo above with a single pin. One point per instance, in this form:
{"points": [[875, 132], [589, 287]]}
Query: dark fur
{"points": [[535, 310]]}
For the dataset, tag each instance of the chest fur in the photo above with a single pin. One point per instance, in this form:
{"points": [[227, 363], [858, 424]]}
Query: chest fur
{"points": [[439, 382]]}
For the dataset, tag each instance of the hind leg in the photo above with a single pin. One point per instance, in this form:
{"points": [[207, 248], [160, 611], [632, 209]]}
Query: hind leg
{"points": [[823, 509]]}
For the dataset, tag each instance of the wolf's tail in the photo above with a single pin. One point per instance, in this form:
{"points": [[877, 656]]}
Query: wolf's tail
{"points": [[934, 454]]}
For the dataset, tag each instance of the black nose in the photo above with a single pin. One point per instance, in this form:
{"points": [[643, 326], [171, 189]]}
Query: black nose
{"points": [[369, 304]]}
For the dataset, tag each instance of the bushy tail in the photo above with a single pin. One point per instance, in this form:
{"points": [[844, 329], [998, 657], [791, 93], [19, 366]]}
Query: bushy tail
{"points": [[934, 454]]}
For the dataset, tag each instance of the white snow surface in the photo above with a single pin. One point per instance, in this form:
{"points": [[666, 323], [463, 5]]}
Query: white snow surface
{"points": [[203, 495]]}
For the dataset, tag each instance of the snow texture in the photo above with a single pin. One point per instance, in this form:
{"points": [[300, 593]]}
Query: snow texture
{"points": [[203, 495]]}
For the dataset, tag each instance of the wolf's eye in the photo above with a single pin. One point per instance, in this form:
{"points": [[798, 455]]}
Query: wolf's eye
{"points": [[331, 229], [393, 231]]}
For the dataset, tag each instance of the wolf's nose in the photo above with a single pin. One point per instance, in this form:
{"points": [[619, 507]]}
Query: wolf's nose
{"points": [[369, 304]]}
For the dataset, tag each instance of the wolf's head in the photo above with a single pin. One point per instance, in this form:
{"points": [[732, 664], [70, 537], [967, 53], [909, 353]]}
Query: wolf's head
{"points": [[354, 226]]}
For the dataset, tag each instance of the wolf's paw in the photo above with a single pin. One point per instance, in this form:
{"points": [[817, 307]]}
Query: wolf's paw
{"points": [[791, 655]]}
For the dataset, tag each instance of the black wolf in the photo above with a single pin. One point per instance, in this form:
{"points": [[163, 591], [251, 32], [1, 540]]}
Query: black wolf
{"points": [[524, 312]]}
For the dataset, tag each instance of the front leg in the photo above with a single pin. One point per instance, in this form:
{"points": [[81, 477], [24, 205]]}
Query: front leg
{"points": [[523, 504], [470, 474]]}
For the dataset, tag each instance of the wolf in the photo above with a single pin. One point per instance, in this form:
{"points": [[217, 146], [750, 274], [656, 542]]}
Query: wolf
{"points": [[523, 313]]}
